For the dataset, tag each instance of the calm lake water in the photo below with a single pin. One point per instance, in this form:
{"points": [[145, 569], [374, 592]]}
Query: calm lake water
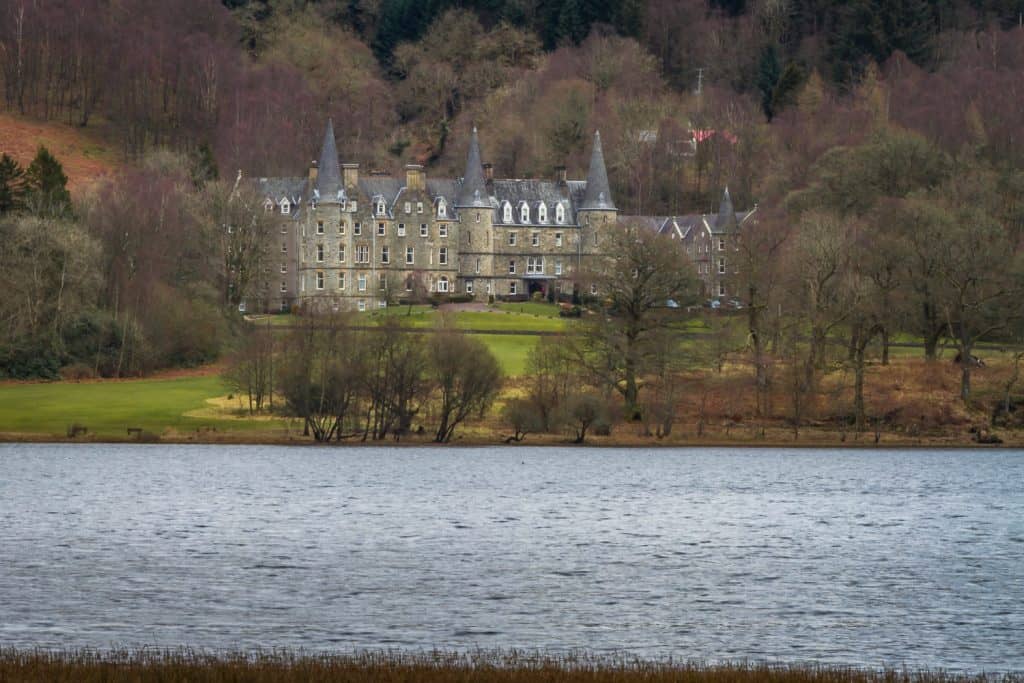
{"points": [[857, 557]]}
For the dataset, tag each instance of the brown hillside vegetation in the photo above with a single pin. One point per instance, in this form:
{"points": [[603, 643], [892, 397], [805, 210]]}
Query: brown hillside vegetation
{"points": [[84, 153]]}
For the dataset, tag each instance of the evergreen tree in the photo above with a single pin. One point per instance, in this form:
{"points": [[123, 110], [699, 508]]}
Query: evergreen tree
{"points": [[767, 76], [12, 184], [203, 166], [46, 184]]}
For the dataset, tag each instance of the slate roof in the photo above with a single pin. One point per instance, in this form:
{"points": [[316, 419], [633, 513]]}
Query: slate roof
{"points": [[473, 191], [294, 188], [328, 175], [599, 193]]}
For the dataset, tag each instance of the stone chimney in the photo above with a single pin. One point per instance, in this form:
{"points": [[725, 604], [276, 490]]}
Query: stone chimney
{"points": [[560, 175], [415, 177], [488, 172], [350, 174], [312, 172]]}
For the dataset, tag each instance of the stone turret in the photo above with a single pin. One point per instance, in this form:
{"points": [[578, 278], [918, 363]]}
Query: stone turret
{"points": [[473, 192], [328, 177], [598, 196]]}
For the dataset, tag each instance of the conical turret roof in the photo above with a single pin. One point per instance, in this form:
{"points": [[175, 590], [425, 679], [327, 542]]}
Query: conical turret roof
{"points": [[328, 175], [726, 211], [599, 193], [474, 188]]}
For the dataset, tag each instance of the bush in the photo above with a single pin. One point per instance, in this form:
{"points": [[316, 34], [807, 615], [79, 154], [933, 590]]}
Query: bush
{"points": [[537, 297], [76, 372], [570, 312]]}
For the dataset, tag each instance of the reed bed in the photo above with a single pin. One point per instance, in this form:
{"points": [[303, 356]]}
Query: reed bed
{"points": [[172, 666]]}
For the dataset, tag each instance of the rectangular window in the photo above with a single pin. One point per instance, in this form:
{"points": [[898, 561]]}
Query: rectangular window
{"points": [[558, 267], [511, 239], [357, 228], [721, 245], [362, 282], [442, 256], [361, 305], [721, 289], [319, 227], [362, 254], [284, 229], [535, 265], [401, 229], [341, 253], [284, 267], [558, 239], [512, 267], [408, 207], [381, 229], [442, 230], [423, 230], [341, 227], [319, 279], [385, 255], [535, 239], [284, 286], [410, 255], [478, 266], [319, 252], [721, 266], [382, 281], [512, 287], [353, 206], [341, 280], [469, 286]]}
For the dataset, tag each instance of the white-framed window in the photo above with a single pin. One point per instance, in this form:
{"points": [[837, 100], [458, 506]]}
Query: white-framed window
{"points": [[442, 285], [513, 287], [319, 227], [410, 255], [559, 213], [424, 230], [382, 229], [558, 267], [341, 280], [357, 229], [542, 213], [284, 267], [721, 244], [442, 209], [535, 265], [341, 227], [385, 255], [361, 282], [419, 207], [469, 286], [284, 286], [506, 214], [284, 247], [284, 229], [401, 229], [477, 270], [558, 239], [353, 205], [535, 239], [408, 207], [361, 305], [721, 266], [319, 279], [381, 303], [524, 213], [362, 254], [512, 267], [442, 230], [442, 256], [382, 281], [721, 289], [286, 206], [382, 208], [489, 288], [341, 253], [511, 238], [408, 283], [319, 252], [268, 206]]}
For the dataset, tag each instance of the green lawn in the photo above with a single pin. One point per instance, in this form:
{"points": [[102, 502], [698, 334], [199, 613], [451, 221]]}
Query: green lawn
{"points": [[511, 350], [109, 408]]}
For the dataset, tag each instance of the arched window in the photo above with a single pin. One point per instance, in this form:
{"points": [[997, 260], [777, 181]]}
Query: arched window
{"points": [[559, 213], [268, 206], [524, 213], [542, 213], [286, 206], [381, 207], [442, 209], [507, 213]]}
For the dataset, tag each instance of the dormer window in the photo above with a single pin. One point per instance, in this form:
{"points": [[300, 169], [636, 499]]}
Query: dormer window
{"points": [[286, 206], [542, 213], [381, 207], [559, 214], [524, 213], [442, 209], [507, 213], [268, 206]]}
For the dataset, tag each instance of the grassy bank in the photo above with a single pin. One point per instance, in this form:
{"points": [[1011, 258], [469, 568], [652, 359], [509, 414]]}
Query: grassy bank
{"points": [[392, 667]]}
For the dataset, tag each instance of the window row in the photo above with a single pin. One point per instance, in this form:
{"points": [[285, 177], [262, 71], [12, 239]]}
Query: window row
{"points": [[524, 213]]}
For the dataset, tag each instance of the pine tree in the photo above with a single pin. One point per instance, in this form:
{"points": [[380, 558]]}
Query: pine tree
{"points": [[203, 167], [46, 183], [767, 76], [12, 184]]}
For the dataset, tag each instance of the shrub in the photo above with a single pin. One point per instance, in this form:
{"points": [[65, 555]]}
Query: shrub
{"points": [[537, 297], [76, 372]]}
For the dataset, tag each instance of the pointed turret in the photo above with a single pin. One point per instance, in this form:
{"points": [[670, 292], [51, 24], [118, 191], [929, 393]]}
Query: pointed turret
{"points": [[726, 212], [328, 178], [598, 195], [474, 188]]}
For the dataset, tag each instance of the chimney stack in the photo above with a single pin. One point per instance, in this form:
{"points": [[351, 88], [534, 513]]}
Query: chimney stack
{"points": [[312, 172], [488, 172], [350, 174], [415, 177], [560, 175]]}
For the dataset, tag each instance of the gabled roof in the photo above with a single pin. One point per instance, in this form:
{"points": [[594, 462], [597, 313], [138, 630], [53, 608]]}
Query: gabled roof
{"points": [[599, 193]]}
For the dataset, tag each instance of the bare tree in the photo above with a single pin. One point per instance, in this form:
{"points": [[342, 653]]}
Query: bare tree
{"points": [[467, 379]]}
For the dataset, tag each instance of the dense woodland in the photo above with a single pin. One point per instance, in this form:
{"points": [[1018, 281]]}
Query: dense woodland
{"points": [[883, 143]]}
